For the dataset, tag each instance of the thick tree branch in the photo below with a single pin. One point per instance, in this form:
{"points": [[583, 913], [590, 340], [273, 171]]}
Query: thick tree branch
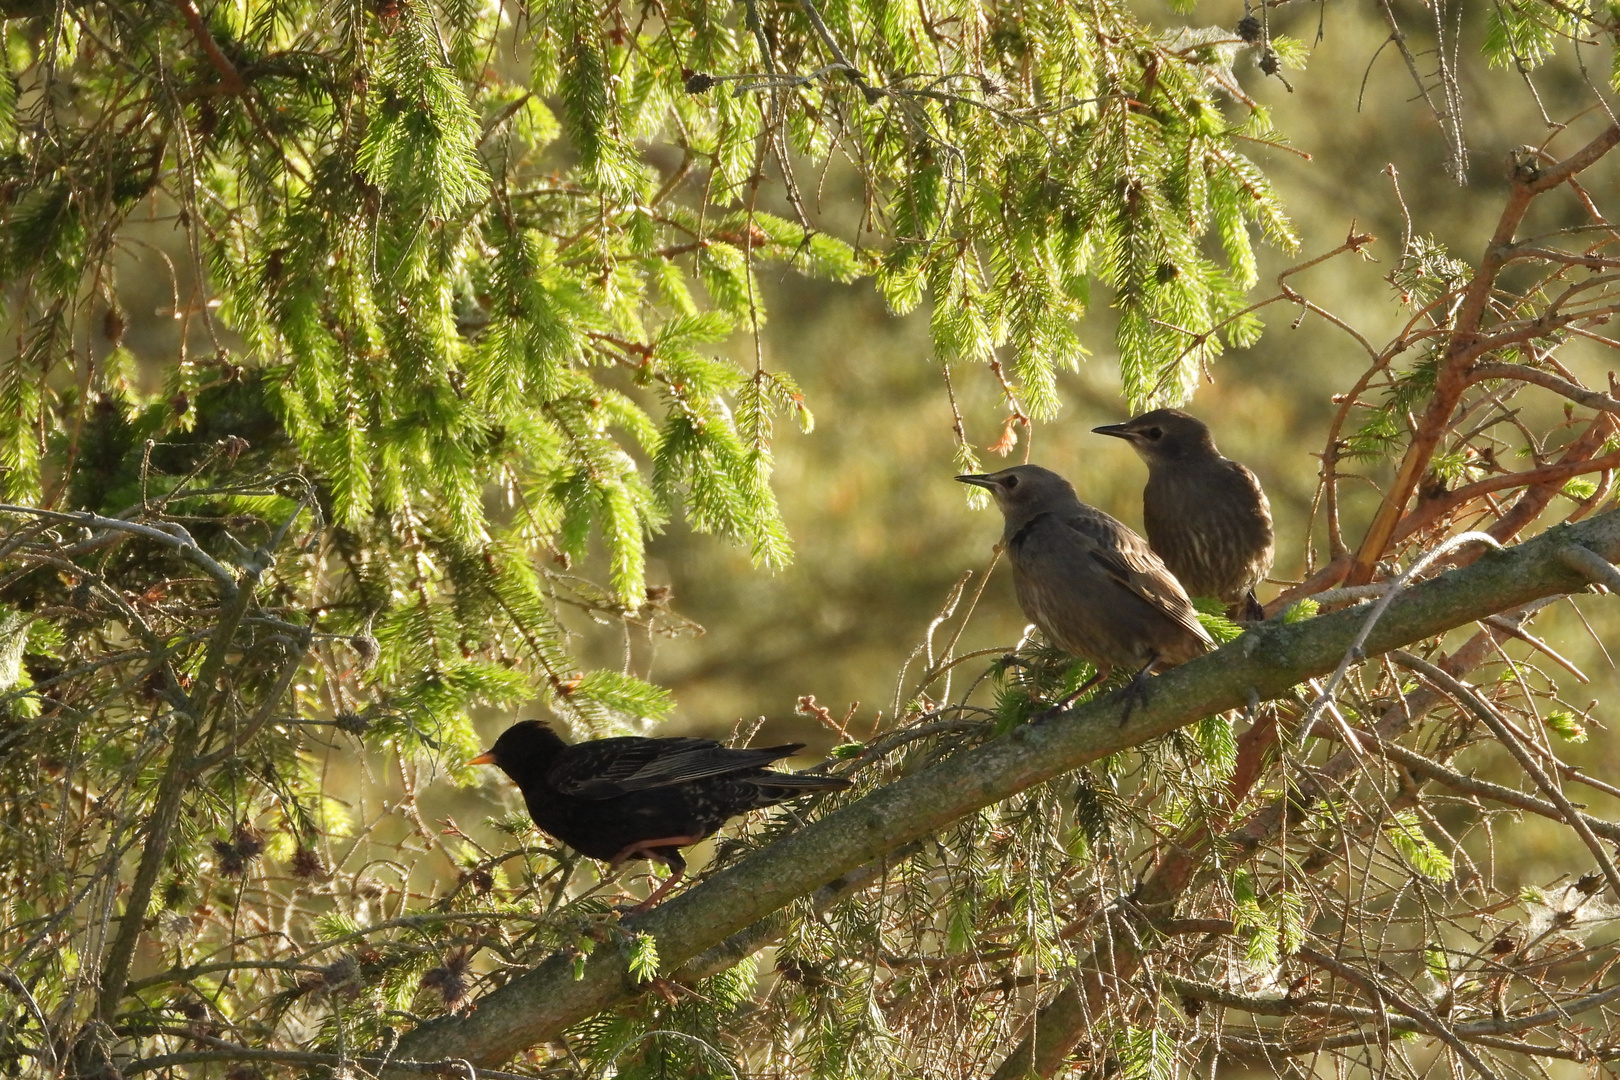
{"points": [[1575, 464], [1268, 661]]}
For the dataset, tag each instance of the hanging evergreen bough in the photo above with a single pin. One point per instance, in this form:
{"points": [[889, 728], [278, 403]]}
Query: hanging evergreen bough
{"points": [[450, 281], [458, 246]]}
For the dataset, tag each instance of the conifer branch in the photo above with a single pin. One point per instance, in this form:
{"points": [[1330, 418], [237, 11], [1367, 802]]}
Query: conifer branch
{"points": [[1267, 661], [1592, 399]]}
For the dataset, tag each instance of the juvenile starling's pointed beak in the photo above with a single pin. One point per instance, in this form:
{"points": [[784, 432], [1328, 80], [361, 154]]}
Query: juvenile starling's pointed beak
{"points": [[1118, 431], [486, 758], [977, 480]]}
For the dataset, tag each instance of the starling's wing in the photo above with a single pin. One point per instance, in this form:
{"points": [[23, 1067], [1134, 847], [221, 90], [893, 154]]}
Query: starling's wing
{"points": [[1252, 482], [600, 762], [639, 764], [1128, 560], [1256, 523]]}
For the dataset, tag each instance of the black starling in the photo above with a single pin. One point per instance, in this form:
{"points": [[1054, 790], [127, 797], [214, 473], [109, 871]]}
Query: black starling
{"points": [[635, 798], [1206, 515], [1091, 585]]}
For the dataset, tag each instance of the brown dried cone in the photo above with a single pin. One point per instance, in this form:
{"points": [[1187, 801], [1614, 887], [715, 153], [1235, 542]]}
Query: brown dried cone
{"points": [[1206, 515]]}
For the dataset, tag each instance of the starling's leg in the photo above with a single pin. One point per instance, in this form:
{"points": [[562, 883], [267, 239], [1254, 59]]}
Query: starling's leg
{"points": [[1136, 691], [1069, 699], [677, 870], [652, 849], [664, 850]]}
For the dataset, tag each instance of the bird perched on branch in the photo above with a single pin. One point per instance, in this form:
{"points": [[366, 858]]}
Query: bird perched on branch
{"points": [[1091, 585], [1206, 515], [636, 798]]}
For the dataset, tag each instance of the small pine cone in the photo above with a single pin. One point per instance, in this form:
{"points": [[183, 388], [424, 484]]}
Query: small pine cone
{"points": [[451, 980], [231, 862], [1248, 28], [233, 445], [306, 865], [1269, 63], [699, 82], [1589, 884], [113, 324], [352, 722], [367, 649], [340, 972], [249, 842]]}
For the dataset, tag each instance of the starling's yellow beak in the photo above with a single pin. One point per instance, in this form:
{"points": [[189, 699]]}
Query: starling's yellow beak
{"points": [[977, 480], [486, 758], [1118, 431]]}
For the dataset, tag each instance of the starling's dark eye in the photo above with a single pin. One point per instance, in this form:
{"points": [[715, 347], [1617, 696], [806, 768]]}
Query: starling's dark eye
{"points": [[1010, 483], [1153, 434]]}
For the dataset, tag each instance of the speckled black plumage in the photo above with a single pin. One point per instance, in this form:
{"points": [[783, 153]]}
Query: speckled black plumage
{"points": [[1206, 515], [616, 799]]}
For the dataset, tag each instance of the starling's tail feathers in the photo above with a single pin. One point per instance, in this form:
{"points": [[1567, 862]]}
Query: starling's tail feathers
{"points": [[792, 785], [1252, 609]]}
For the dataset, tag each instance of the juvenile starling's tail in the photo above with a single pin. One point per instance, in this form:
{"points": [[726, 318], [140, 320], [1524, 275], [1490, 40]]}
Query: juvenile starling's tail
{"points": [[1252, 611]]}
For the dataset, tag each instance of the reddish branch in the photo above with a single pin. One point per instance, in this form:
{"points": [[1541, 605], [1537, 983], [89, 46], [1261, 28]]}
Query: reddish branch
{"points": [[1577, 460], [229, 78], [1452, 378]]}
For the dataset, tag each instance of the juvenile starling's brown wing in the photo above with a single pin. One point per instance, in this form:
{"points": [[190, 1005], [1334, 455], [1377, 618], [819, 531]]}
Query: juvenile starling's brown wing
{"points": [[1128, 560], [608, 768]]}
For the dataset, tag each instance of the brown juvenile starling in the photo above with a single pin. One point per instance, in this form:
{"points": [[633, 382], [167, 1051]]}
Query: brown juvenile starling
{"points": [[1091, 585], [636, 798], [1206, 515]]}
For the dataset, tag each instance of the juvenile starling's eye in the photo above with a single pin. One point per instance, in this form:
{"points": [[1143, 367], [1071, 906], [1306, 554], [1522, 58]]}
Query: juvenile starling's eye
{"points": [[1010, 483], [1153, 434]]}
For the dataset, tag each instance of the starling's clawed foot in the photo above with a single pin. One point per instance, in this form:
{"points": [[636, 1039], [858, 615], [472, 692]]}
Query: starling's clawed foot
{"points": [[1068, 699], [1137, 691], [1051, 712], [625, 911]]}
